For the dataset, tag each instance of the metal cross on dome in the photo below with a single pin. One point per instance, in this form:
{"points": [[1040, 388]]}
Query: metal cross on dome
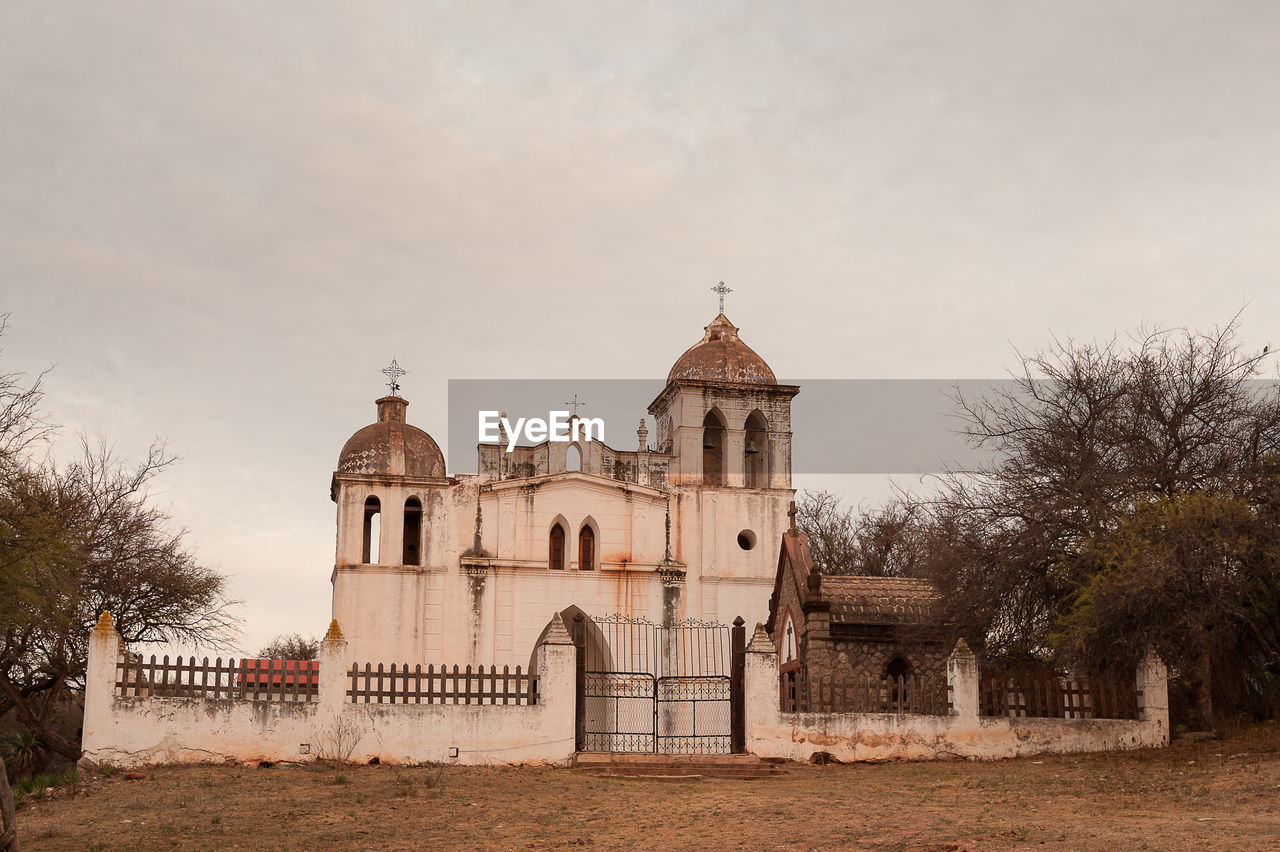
{"points": [[575, 402], [721, 290], [393, 374]]}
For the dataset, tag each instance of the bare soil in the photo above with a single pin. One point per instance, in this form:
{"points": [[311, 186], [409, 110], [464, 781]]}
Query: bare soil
{"points": [[1217, 794]]}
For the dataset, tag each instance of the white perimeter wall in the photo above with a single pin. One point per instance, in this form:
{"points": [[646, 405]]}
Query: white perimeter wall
{"points": [[145, 730], [884, 736]]}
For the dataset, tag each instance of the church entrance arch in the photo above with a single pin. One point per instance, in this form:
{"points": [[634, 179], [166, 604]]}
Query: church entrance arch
{"points": [[651, 688]]}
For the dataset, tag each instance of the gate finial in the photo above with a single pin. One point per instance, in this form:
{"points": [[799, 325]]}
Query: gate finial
{"points": [[557, 633]]}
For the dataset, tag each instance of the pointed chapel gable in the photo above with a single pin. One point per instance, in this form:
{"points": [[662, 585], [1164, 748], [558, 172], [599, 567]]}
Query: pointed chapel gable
{"points": [[795, 580]]}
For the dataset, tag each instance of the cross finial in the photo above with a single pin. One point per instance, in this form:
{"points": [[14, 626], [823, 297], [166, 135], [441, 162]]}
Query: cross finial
{"points": [[393, 374], [721, 290], [575, 403], [792, 511]]}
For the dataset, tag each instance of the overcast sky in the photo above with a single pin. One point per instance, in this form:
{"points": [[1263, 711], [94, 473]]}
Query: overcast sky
{"points": [[219, 220]]}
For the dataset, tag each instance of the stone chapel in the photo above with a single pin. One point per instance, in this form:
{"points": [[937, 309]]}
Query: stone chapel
{"points": [[469, 568]]}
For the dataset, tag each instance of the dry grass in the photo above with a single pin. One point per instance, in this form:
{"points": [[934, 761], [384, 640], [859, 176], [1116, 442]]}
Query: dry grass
{"points": [[1212, 795]]}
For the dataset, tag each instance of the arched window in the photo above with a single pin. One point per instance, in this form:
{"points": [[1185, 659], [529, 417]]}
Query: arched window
{"points": [[897, 668], [789, 641], [556, 556], [897, 673], [372, 531], [756, 451], [573, 458], [712, 449], [412, 532], [586, 549]]}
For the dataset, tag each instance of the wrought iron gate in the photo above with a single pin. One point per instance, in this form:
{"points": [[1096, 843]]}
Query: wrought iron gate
{"points": [[647, 687]]}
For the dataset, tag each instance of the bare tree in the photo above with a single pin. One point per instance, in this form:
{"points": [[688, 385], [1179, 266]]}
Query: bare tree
{"points": [[22, 422], [80, 540], [76, 540], [291, 646], [1089, 440]]}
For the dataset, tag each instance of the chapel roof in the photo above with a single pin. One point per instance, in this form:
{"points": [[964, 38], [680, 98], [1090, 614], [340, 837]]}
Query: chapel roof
{"points": [[880, 600], [722, 356], [850, 599], [392, 446]]}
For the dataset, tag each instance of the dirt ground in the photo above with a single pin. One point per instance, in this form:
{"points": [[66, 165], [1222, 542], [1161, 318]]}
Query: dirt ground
{"points": [[1222, 794]]}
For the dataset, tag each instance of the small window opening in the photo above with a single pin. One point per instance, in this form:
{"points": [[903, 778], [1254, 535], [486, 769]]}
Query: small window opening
{"points": [[573, 458], [746, 539]]}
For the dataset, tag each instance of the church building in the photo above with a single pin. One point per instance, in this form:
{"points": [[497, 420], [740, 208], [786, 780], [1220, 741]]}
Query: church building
{"points": [[432, 567]]}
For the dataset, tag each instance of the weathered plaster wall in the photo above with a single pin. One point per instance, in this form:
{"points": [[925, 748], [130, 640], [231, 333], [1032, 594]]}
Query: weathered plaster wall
{"points": [[874, 736], [137, 731]]}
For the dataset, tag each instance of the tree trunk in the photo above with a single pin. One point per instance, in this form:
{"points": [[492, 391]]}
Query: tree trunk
{"points": [[8, 819], [1204, 691]]}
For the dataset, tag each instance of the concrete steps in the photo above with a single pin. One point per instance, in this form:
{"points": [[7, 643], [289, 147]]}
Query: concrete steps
{"points": [[677, 767]]}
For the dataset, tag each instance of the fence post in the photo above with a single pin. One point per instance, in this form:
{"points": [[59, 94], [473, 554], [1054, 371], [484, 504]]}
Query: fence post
{"points": [[761, 692], [962, 678], [557, 668], [334, 668], [99, 685], [1153, 681], [737, 700], [580, 683]]}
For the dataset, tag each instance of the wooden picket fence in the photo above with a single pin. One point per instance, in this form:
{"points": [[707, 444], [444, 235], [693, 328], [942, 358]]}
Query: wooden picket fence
{"points": [[911, 694], [1053, 697], [247, 678], [405, 685]]}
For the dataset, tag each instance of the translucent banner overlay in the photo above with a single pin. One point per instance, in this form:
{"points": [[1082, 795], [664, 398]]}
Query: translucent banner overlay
{"points": [[838, 426]]}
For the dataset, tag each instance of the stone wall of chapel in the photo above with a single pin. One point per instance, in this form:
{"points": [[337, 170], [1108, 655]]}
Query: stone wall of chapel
{"points": [[856, 658]]}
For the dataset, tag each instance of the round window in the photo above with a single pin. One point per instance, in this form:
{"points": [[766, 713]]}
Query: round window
{"points": [[746, 539]]}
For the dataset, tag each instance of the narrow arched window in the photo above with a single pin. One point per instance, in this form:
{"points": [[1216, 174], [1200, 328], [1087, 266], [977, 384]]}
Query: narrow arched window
{"points": [[372, 531], [897, 673], [573, 458], [712, 449], [586, 549], [756, 451], [412, 532], [556, 557]]}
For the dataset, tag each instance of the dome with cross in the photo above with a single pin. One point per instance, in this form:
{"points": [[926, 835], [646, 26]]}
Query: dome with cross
{"points": [[392, 446], [721, 356]]}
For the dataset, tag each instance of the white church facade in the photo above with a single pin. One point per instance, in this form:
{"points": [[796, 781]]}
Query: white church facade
{"points": [[469, 568]]}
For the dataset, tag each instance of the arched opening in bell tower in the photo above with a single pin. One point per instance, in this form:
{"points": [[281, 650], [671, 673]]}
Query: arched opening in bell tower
{"points": [[372, 531], [713, 432], [756, 451], [412, 532]]}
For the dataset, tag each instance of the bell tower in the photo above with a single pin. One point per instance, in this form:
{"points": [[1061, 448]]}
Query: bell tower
{"points": [[723, 416]]}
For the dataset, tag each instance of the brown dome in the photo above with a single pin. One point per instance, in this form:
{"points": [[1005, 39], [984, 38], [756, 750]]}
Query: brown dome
{"points": [[721, 356], [392, 446]]}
